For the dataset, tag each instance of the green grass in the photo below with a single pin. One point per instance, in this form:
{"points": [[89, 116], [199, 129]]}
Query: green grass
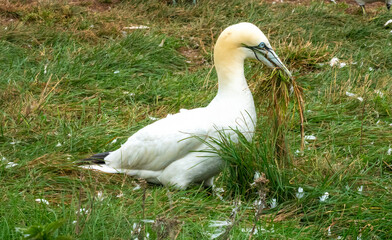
{"points": [[70, 74]]}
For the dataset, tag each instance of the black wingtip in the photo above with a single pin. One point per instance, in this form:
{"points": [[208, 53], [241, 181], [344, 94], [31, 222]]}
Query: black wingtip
{"points": [[96, 158]]}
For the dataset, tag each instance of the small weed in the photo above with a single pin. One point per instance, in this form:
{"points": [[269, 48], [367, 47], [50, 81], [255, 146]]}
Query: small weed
{"points": [[44, 232]]}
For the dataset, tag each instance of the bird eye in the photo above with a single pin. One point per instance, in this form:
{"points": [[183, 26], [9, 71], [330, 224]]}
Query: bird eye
{"points": [[261, 45]]}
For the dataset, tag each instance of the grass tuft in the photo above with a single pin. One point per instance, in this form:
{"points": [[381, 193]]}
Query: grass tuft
{"points": [[244, 161]]}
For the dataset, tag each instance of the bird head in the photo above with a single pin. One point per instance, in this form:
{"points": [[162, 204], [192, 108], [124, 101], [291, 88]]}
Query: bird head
{"points": [[249, 40]]}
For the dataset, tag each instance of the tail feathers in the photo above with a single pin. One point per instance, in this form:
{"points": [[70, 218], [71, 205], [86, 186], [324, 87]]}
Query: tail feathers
{"points": [[96, 158], [101, 167]]}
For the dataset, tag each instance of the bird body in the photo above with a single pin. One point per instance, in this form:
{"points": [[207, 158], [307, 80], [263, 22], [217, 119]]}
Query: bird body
{"points": [[173, 150], [363, 2]]}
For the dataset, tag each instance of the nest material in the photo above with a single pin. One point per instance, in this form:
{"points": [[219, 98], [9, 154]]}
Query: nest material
{"points": [[277, 91]]}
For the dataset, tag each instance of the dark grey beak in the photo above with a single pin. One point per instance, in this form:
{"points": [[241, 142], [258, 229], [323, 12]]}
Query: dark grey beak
{"points": [[269, 58]]}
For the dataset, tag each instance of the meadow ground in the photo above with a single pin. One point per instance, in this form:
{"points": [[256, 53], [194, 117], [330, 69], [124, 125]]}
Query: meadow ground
{"points": [[75, 79]]}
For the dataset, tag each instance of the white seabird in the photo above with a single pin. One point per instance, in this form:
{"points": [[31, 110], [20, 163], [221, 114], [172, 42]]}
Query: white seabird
{"points": [[362, 3], [167, 151]]}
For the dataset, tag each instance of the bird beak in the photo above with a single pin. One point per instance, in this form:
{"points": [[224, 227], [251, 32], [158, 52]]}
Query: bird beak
{"points": [[269, 58]]}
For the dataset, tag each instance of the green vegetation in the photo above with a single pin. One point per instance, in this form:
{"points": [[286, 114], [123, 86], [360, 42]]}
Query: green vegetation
{"points": [[73, 79]]}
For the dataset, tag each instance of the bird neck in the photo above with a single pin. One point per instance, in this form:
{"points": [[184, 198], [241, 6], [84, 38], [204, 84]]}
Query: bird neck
{"points": [[229, 66]]}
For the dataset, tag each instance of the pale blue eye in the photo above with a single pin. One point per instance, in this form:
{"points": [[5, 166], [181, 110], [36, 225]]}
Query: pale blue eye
{"points": [[261, 45]]}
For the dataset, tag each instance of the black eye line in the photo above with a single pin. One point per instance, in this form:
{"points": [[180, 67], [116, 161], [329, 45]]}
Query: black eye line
{"points": [[262, 45]]}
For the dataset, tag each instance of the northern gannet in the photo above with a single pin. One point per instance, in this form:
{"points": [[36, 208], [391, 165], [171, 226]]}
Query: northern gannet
{"points": [[363, 2], [170, 150]]}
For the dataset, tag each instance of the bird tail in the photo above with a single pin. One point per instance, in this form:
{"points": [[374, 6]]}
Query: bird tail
{"points": [[96, 158]]}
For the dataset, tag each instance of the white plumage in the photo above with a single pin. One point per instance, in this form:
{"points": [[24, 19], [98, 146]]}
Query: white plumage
{"points": [[362, 3], [167, 151]]}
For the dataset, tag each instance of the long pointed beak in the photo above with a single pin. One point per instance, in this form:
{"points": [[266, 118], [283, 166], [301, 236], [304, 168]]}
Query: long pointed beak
{"points": [[269, 58]]}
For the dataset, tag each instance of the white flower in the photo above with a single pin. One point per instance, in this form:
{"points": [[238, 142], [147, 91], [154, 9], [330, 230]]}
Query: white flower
{"points": [[310, 137], [59, 144], [148, 221], [300, 193], [74, 222], [82, 211], [248, 230], [117, 71], [136, 27], [258, 203], [342, 65], [218, 223], [334, 61], [350, 94], [41, 200], [360, 189], [256, 176], [162, 42], [11, 164], [218, 191], [371, 69], [256, 230], [100, 196], [324, 197], [153, 118], [379, 93], [297, 152], [389, 152], [274, 203], [354, 95], [129, 94]]}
